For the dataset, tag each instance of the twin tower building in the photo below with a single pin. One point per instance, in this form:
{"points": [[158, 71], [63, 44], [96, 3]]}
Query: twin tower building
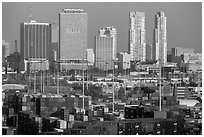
{"points": [[68, 44]]}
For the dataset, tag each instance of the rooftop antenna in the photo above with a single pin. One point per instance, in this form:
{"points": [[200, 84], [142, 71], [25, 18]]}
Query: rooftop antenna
{"points": [[30, 7]]}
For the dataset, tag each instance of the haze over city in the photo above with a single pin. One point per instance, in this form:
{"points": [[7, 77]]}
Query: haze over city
{"points": [[183, 20]]}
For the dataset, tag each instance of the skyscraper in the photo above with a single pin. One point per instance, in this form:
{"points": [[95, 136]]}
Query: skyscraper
{"points": [[160, 38], [105, 48], [35, 39], [137, 40], [72, 34]]}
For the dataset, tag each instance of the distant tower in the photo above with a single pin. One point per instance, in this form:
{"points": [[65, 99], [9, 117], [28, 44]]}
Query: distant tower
{"points": [[16, 46], [106, 48], [160, 38], [5, 49], [137, 40]]}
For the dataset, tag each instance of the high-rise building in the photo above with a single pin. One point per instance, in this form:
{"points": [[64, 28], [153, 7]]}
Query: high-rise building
{"points": [[106, 48], [149, 53], [72, 34], [55, 33], [35, 39], [137, 40], [160, 38], [35, 42], [178, 51]]}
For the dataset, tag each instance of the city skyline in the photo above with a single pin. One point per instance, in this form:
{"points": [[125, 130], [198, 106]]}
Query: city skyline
{"points": [[192, 37]]}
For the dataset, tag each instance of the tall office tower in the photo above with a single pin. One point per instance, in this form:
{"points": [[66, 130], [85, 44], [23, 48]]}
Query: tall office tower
{"points": [[149, 53], [160, 38], [72, 36], [106, 48], [137, 40], [35, 40]]}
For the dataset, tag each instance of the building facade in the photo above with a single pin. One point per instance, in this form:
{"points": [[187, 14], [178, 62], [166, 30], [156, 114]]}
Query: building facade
{"points": [[90, 56], [5, 52], [72, 34], [149, 53], [178, 51], [35, 39], [124, 60], [160, 38], [192, 57], [137, 40], [5, 49], [105, 48], [54, 48]]}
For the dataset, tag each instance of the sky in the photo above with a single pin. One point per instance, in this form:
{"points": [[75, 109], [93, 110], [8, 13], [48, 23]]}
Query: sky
{"points": [[184, 20]]}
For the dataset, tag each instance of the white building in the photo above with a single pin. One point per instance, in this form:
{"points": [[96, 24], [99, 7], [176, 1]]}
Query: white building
{"points": [[137, 40], [106, 48], [90, 56], [124, 60], [160, 38], [192, 57]]}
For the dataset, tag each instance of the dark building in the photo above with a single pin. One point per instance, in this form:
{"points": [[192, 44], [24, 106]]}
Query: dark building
{"points": [[169, 56], [149, 53], [35, 40]]}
